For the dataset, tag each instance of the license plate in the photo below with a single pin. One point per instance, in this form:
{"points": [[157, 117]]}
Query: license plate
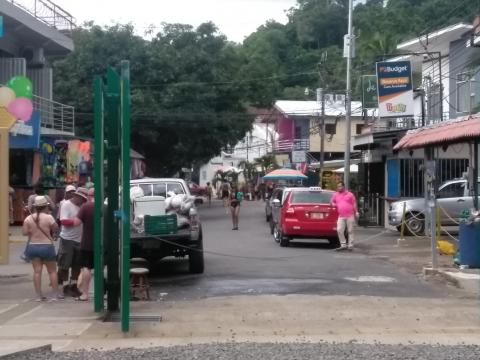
{"points": [[317, 215], [151, 244]]}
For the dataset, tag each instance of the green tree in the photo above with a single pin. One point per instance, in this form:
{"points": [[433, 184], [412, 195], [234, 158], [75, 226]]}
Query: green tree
{"points": [[187, 103]]}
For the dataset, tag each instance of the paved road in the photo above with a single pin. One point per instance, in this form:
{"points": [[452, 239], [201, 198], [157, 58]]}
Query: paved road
{"points": [[248, 261]]}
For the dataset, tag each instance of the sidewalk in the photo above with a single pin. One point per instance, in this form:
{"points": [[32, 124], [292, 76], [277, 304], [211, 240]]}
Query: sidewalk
{"points": [[414, 255]]}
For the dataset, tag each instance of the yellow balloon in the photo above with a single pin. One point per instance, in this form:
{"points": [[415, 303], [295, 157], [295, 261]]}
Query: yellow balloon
{"points": [[7, 95]]}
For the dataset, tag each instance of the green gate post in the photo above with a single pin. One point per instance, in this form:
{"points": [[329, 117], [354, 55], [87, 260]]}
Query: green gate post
{"points": [[99, 189], [125, 178], [113, 155]]}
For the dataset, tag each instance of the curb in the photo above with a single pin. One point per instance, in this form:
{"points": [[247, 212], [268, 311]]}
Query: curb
{"points": [[428, 271], [26, 352]]}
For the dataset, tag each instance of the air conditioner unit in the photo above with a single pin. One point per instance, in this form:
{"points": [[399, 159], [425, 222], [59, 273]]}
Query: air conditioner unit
{"points": [[34, 56]]}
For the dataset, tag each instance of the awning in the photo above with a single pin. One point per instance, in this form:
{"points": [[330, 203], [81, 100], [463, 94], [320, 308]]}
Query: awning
{"points": [[353, 169], [447, 132]]}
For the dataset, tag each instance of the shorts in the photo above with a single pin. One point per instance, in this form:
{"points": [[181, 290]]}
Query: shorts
{"points": [[68, 254], [86, 259], [234, 203], [44, 252], [224, 194]]}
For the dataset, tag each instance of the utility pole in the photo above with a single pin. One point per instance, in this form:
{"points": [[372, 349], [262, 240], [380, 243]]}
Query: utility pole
{"points": [[321, 99], [348, 96]]}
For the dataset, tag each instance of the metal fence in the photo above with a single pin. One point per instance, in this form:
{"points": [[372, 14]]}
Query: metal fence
{"points": [[412, 179], [291, 144], [54, 115], [48, 12]]}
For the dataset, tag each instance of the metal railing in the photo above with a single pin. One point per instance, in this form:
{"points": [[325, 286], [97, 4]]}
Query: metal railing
{"points": [[406, 123], [49, 13], [291, 144], [54, 115]]}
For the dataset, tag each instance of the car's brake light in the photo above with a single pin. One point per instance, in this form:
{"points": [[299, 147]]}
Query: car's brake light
{"points": [[290, 211]]}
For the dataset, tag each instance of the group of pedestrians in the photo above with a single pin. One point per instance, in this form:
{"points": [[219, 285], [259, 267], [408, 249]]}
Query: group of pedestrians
{"points": [[73, 227]]}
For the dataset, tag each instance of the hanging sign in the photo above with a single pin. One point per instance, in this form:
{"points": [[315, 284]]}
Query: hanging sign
{"points": [[395, 89]]}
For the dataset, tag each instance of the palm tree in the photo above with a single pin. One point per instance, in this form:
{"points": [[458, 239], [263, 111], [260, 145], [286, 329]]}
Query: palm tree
{"points": [[267, 162], [249, 170]]}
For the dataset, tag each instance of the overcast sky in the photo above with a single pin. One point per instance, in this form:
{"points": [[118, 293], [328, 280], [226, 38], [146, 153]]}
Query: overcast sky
{"points": [[235, 18]]}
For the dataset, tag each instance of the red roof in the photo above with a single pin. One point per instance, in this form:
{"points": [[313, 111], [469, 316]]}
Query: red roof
{"points": [[452, 131]]}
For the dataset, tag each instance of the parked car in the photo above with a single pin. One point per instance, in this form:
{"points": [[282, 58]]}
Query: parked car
{"points": [[453, 197], [276, 194], [275, 215], [305, 213], [185, 241], [198, 191]]}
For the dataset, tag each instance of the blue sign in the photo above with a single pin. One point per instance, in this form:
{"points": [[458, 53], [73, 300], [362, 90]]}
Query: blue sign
{"points": [[395, 89], [26, 135], [1, 26]]}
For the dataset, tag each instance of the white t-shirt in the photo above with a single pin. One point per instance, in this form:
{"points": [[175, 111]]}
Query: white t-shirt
{"points": [[69, 211]]}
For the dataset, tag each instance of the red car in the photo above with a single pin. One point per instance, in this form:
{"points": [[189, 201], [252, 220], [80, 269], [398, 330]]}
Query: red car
{"points": [[196, 189], [306, 213]]}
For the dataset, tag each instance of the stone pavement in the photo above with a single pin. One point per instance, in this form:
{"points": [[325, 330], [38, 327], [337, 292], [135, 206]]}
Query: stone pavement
{"points": [[70, 325]]}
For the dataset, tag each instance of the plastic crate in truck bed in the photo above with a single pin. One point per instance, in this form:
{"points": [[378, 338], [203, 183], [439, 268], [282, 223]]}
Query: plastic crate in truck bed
{"points": [[160, 224]]}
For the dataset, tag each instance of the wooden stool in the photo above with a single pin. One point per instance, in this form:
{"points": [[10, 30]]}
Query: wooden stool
{"points": [[138, 262], [139, 286]]}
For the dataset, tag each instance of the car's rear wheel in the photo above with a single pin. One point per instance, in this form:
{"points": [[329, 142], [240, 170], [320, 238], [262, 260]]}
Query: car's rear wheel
{"points": [[279, 237], [415, 225]]}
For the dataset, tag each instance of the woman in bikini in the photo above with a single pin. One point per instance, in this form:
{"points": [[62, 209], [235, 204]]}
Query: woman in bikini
{"points": [[234, 201], [40, 250]]}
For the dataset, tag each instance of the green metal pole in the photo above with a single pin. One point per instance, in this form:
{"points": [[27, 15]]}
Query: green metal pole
{"points": [[125, 228], [113, 155], [98, 174]]}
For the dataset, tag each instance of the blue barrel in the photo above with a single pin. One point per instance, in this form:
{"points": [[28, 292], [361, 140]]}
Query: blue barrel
{"points": [[469, 238]]}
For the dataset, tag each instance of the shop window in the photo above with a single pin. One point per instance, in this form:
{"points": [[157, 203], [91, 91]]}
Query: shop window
{"points": [[21, 165], [331, 129], [358, 129]]}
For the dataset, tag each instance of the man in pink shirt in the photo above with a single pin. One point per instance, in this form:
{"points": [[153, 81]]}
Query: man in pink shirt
{"points": [[346, 205]]}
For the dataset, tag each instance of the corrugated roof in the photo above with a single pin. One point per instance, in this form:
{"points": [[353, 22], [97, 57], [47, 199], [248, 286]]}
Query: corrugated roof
{"points": [[313, 108], [458, 130]]}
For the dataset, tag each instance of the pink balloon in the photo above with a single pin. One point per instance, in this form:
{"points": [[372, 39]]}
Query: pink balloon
{"points": [[21, 108]]}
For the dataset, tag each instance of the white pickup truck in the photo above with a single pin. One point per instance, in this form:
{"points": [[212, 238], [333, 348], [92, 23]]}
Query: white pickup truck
{"points": [[186, 240]]}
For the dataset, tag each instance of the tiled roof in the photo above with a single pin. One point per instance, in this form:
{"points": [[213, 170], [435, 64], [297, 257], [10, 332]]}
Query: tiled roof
{"points": [[447, 132]]}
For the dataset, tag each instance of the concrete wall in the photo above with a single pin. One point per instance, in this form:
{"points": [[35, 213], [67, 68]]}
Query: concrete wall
{"points": [[335, 143]]}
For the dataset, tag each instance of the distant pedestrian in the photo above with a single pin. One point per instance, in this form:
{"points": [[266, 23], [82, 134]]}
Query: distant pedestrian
{"points": [[225, 188], [235, 200], [347, 210], [209, 194], [85, 216], [40, 250], [70, 237]]}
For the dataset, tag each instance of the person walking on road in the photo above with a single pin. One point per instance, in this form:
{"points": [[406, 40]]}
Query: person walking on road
{"points": [[236, 198], [85, 217], [69, 249], [209, 194], [40, 250], [347, 210], [226, 189]]}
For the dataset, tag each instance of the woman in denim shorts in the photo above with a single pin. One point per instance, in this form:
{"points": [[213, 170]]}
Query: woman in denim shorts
{"points": [[40, 250]]}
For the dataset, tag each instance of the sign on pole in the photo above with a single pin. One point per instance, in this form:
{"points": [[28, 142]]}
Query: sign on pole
{"points": [[369, 92], [298, 156], [395, 89]]}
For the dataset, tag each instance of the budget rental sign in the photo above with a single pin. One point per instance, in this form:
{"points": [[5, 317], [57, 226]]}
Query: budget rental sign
{"points": [[395, 90]]}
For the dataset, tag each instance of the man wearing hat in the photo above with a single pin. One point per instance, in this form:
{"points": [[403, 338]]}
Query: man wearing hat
{"points": [[69, 190], [70, 236]]}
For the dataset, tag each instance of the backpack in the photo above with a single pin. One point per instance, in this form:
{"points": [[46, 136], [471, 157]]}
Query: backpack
{"points": [[239, 196]]}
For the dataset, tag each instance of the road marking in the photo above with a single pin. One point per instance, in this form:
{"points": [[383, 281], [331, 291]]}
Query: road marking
{"points": [[379, 279]]}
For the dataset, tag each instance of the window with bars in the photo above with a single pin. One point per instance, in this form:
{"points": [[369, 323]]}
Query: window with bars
{"points": [[411, 174], [465, 97]]}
